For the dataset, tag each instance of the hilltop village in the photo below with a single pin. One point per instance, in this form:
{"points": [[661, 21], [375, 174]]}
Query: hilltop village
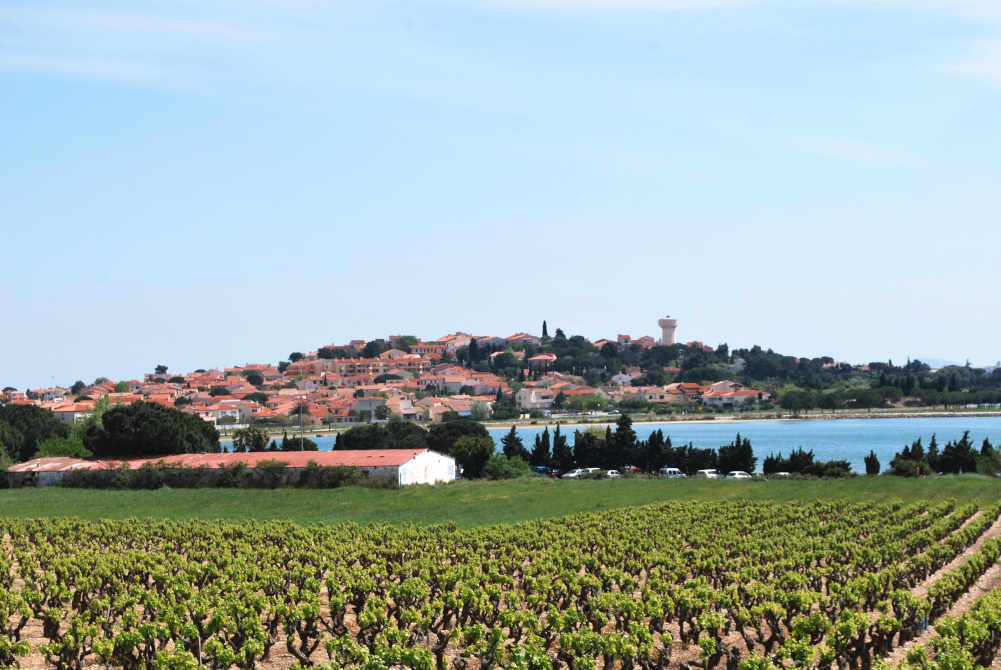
{"points": [[481, 377]]}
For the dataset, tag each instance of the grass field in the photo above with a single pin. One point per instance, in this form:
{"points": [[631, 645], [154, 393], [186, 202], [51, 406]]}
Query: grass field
{"points": [[468, 503]]}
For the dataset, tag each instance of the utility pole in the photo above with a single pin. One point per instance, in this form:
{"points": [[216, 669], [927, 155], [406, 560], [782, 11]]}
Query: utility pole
{"points": [[301, 434]]}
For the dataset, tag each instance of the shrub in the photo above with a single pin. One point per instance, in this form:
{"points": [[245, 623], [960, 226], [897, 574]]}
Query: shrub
{"points": [[503, 467]]}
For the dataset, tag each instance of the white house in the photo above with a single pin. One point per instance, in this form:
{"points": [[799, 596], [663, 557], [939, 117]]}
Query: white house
{"points": [[534, 397], [403, 467]]}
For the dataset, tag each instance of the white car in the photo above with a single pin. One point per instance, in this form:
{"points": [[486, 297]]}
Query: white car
{"points": [[708, 474], [612, 474], [671, 473], [576, 473], [737, 474]]}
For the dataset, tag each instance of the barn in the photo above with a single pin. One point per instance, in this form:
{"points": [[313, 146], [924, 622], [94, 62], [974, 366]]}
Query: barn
{"points": [[403, 467]]}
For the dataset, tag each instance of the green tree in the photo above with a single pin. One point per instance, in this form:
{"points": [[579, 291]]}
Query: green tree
{"points": [[504, 467], [545, 330], [513, 447], [872, 463], [121, 387], [472, 453], [382, 412], [160, 369], [250, 439], [562, 458], [540, 452], [479, 411], [374, 348], [560, 401], [443, 436], [296, 356], [78, 387], [146, 429], [737, 455], [254, 378], [22, 427], [71, 446]]}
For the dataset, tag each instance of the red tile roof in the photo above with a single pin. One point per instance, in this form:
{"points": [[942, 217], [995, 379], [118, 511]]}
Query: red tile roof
{"points": [[294, 459]]}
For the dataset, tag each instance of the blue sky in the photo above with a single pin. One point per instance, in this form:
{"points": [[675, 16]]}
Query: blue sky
{"points": [[210, 183]]}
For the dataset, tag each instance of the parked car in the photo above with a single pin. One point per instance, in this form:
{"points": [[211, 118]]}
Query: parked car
{"points": [[612, 474], [671, 473], [737, 474], [591, 471], [576, 473], [543, 471], [630, 468], [709, 473]]}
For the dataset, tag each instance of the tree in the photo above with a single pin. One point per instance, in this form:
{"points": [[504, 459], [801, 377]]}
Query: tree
{"points": [[443, 436], [505, 467], [395, 434], [472, 453], [562, 457], [218, 390], [77, 388], [71, 447], [513, 447], [588, 448], [623, 442], [374, 348], [121, 387], [146, 429], [545, 330], [22, 427], [479, 411], [871, 463], [250, 439], [257, 397], [540, 452], [160, 369], [296, 443], [296, 356], [283, 366], [382, 412], [254, 378], [737, 455], [560, 400]]}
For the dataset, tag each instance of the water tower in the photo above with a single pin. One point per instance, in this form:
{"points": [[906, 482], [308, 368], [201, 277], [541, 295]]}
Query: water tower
{"points": [[667, 327]]}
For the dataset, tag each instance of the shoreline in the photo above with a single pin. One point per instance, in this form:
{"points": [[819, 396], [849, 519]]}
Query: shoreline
{"points": [[645, 419]]}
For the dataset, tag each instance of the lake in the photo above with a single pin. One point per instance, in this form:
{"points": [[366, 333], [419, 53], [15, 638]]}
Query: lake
{"points": [[841, 439]]}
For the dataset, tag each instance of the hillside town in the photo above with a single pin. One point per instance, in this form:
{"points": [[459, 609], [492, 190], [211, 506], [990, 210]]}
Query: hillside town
{"points": [[457, 375]]}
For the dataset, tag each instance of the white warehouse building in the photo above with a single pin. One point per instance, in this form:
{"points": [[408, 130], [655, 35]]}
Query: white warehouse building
{"points": [[403, 467]]}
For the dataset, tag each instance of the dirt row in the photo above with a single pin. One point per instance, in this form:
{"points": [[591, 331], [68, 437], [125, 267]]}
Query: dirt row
{"points": [[989, 581]]}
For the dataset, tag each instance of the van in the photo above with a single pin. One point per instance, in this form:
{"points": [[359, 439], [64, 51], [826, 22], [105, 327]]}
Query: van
{"points": [[672, 473], [707, 474]]}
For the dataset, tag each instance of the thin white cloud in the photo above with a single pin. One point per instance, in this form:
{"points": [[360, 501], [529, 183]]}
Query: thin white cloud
{"points": [[854, 150], [130, 23], [983, 63], [622, 5], [92, 68]]}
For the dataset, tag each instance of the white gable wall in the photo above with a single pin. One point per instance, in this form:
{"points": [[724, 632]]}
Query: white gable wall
{"points": [[427, 467]]}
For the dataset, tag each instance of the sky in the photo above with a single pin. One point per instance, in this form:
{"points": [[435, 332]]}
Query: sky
{"points": [[214, 182]]}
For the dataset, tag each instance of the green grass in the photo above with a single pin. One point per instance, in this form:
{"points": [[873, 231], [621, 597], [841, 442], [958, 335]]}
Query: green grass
{"points": [[468, 503]]}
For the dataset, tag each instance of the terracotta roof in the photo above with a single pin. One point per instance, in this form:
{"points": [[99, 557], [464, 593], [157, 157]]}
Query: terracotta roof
{"points": [[294, 459]]}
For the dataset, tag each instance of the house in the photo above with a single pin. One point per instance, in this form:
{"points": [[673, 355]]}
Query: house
{"points": [[733, 399], [402, 467], [74, 412], [534, 397], [523, 339], [541, 360]]}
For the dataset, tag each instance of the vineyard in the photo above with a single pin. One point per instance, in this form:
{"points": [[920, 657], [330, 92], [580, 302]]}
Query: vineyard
{"points": [[734, 586]]}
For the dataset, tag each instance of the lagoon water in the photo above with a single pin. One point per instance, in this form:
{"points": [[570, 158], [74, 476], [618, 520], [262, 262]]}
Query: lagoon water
{"points": [[841, 439]]}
